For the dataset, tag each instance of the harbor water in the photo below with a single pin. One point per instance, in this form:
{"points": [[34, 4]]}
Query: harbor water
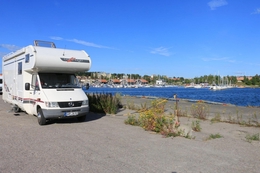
{"points": [[234, 96]]}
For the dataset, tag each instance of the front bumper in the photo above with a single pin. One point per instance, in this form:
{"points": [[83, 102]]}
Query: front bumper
{"points": [[60, 113]]}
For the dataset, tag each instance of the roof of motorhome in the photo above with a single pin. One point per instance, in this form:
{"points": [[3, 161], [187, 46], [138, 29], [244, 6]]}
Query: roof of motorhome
{"points": [[14, 54], [52, 59]]}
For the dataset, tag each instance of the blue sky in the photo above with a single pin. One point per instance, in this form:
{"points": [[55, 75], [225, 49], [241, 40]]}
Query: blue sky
{"points": [[177, 38]]}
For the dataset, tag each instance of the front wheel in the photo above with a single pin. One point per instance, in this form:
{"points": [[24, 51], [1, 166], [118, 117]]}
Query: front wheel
{"points": [[16, 109], [82, 118], [40, 117]]}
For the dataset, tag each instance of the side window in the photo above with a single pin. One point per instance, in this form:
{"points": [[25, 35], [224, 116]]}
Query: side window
{"points": [[20, 65], [27, 58], [34, 83]]}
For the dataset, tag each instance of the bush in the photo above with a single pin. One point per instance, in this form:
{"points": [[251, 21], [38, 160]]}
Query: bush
{"points": [[132, 120], [200, 110], [154, 119], [195, 125], [104, 103]]}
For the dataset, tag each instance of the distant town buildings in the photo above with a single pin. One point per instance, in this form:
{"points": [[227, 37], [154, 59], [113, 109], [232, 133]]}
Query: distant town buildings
{"points": [[241, 78], [108, 78]]}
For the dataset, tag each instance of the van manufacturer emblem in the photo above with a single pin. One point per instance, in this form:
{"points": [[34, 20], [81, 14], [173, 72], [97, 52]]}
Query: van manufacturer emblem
{"points": [[70, 104]]}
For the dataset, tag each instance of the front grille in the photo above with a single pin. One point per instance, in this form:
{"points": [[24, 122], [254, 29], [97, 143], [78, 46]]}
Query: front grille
{"points": [[70, 104]]}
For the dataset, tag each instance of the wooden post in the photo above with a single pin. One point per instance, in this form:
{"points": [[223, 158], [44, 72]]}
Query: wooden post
{"points": [[176, 107]]}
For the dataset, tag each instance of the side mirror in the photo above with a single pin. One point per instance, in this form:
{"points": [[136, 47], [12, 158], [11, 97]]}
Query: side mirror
{"points": [[27, 86], [87, 86]]}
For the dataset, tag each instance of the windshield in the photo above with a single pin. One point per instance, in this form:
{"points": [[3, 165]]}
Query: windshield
{"points": [[58, 80]]}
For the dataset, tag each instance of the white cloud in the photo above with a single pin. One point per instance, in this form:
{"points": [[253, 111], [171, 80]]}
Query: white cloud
{"points": [[56, 38], [161, 51], [257, 11], [85, 43], [216, 3], [88, 43], [219, 59], [10, 47]]}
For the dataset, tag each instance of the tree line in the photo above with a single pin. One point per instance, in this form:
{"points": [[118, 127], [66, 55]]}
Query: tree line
{"points": [[210, 79]]}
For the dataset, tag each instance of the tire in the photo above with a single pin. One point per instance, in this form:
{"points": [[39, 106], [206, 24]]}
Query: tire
{"points": [[82, 118], [16, 109], [40, 117]]}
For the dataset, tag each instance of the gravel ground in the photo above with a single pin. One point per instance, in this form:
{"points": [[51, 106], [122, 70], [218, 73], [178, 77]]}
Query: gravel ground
{"points": [[103, 143]]}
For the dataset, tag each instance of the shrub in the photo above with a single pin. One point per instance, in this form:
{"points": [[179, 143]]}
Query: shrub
{"points": [[154, 119], [132, 120], [94, 103], [158, 105], [104, 102], [151, 121], [217, 118], [195, 125], [200, 110]]}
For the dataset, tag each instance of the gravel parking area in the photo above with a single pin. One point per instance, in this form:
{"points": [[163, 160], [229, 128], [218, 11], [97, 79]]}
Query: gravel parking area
{"points": [[103, 143]]}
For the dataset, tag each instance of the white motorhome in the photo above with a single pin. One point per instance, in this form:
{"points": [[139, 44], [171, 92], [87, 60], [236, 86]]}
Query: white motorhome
{"points": [[40, 80]]}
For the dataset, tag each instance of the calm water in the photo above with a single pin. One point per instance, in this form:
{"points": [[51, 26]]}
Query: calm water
{"points": [[235, 96]]}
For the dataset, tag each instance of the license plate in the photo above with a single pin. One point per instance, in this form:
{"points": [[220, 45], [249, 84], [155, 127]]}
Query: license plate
{"points": [[71, 114]]}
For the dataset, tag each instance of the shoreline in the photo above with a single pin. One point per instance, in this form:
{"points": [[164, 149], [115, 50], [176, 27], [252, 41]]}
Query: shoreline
{"points": [[227, 112], [237, 97], [191, 100]]}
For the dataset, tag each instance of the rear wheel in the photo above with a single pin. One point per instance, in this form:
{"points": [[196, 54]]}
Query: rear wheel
{"points": [[82, 118], [40, 117]]}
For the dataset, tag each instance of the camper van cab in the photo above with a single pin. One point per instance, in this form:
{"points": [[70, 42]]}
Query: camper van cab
{"points": [[41, 82]]}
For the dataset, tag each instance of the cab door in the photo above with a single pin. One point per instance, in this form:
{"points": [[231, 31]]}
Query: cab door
{"points": [[35, 94]]}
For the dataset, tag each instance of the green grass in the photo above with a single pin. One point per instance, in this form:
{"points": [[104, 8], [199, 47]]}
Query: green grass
{"points": [[214, 136], [251, 138]]}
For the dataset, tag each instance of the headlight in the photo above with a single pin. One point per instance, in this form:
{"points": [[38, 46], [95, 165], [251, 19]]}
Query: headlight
{"points": [[85, 102], [51, 104]]}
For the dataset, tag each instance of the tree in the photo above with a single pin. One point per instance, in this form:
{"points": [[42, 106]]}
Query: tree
{"points": [[255, 80], [187, 81], [148, 78], [247, 81], [181, 79]]}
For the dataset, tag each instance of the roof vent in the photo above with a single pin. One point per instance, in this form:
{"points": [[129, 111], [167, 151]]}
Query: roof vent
{"points": [[44, 44]]}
